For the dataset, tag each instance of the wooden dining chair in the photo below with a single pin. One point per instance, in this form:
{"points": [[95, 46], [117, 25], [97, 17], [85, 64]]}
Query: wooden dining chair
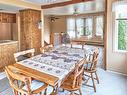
{"points": [[24, 85], [46, 48], [22, 55], [91, 68], [74, 81]]}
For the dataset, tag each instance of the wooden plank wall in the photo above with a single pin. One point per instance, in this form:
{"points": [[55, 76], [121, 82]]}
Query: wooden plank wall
{"points": [[7, 17], [6, 54], [30, 34]]}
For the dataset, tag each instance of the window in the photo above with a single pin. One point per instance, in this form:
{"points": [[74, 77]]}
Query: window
{"points": [[79, 27], [71, 27], [121, 31], [99, 26], [88, 27]]}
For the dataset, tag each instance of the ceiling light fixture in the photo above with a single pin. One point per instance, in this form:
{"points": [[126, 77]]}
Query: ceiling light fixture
{"points": [[75, 13]]}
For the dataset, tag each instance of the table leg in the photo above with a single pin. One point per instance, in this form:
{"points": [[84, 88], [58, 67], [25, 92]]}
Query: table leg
{"points": [[71, 45], [55, 90], [82, 46]]}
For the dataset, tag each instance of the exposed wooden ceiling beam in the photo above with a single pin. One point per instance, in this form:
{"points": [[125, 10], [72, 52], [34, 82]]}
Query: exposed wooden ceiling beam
{"points": [[63, 3]]}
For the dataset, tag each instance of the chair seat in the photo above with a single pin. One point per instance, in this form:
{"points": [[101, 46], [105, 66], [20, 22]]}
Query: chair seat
{"points": [[68, 86], [20, 58], [37, 84]]}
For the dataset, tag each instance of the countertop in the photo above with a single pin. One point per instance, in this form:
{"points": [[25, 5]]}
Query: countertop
{"points": [[4, 42]]}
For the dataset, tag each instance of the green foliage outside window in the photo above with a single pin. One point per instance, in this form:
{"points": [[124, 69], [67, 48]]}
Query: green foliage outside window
{"points": [[88, 32], [122, 35]]}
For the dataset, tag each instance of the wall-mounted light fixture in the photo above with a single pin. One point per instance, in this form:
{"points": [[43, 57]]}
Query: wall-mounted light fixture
{"points": [[40, 24]]}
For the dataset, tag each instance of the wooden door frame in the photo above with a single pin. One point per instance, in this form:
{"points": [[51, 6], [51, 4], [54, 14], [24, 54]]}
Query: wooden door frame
{"points": [[105, 36]]}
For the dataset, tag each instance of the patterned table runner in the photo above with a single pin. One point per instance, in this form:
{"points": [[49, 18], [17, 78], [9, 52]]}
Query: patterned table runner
{"points": [[54, 71]]}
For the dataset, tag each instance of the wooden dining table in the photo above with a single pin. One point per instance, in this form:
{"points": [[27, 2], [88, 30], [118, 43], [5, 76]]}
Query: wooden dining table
{"points": [[51, 67]]}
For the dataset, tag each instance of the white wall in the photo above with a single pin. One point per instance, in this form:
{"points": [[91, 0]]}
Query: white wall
{"points": [[59, 25]]}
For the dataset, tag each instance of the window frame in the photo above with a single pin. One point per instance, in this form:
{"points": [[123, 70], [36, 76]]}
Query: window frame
{"points": [[115, 34], [93, 16], [69, 28], [85, 18], [96, 27]]}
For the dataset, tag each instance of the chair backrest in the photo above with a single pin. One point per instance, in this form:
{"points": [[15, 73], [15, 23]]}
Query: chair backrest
{"points": [[92, 60], [45, 43], [65, 38], [46, 48], [19, 56], [17, 81], [78, 74]]}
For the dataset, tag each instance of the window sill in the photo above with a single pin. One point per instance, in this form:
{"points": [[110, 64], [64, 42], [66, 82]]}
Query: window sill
{"points": [[120, 51]]}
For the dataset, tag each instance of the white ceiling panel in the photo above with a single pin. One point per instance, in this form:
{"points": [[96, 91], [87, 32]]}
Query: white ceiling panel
{"points": [[43, 2], [86, 7], [9, 8]]}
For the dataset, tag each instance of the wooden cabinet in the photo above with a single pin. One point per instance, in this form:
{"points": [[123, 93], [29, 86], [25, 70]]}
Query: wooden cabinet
{"points": [[1, 61], [6, 54], [7, 18], [4, 18], [12, 18], [30, 35]]}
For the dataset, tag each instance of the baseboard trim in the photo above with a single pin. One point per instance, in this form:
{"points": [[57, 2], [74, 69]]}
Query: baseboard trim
{"points": [[2, 75], [117, 73]]}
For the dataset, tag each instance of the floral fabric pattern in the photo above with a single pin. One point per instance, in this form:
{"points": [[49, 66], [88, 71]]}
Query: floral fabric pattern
{"points": [[59, 62]]}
